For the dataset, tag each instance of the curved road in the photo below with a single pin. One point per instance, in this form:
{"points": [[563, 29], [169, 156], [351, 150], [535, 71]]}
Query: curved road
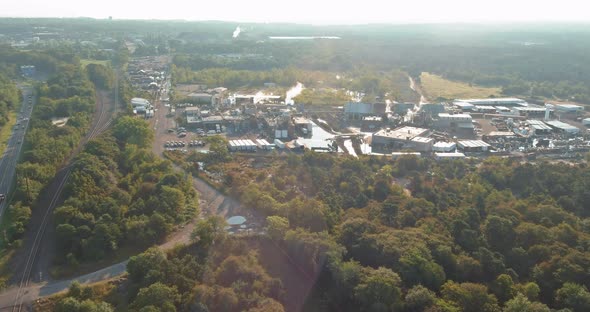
{"points": [[211, 202]]}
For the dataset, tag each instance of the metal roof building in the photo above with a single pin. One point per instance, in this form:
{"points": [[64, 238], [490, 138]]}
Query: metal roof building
{"points": [[457, 155], [444, 146], [473, 145], [494, 101], [562, 126]]}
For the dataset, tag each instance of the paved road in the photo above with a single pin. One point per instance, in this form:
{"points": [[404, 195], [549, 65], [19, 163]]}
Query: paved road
{"points": [[212, 202], [14, 146], [28, 265]]}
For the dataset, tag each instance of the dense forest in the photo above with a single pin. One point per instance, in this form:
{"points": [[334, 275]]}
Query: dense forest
{"points": [[120, 194], [460, 236]]}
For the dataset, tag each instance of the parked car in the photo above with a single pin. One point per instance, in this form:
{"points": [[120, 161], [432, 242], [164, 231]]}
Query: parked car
{"points": [[182, 135], [2, 197]]}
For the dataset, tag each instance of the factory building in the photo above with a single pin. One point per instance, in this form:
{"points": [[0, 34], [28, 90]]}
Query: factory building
{"points": [[537, 127], [398, 138], [193, 115], [455, 122], [432, 109], [422, 144], [531, 111], [568, 108], [371, 122], [508, 102], [204, 98], [356, 110], [486, 109], [444, 147], [402, 108], [473, 146], [136, 102], [563, 127], [443, 156], [464, 106], [302, 125]]}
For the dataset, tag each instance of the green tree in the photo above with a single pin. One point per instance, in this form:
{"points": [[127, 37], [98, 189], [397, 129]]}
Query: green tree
{"points": [[499, 233], [520, 303], [129, 130], [157, 295], [574, 296], [503, 287], [470, 297], [419, 298], [379, 290], [210, 230], [277, 227]]}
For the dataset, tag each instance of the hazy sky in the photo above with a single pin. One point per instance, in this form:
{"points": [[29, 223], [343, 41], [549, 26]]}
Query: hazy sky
{"points": [[309, 11]]}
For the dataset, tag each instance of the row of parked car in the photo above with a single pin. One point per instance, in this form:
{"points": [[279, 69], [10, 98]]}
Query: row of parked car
{"points": [[194, 143], [174, 144]]}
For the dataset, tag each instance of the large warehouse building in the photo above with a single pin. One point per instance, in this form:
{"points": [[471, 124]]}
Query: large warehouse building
{"points": [[507, 102], [356, 110], [400, 138]]}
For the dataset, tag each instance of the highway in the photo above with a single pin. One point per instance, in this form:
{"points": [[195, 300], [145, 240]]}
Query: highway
{"points": [[14, 146], [32, 260]]}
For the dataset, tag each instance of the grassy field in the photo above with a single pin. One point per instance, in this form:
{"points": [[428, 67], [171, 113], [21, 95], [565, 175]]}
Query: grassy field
{"points": [[437, 87], [85, 62]]}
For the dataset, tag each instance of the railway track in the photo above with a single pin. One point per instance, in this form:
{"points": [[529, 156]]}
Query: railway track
{"points": [[25, 279], [103, 122]]}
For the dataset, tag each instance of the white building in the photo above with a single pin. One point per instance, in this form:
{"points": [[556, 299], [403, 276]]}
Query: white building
{"points": [[137, 102], [455, 121], [398, 138], [444, 147], [509, 102], [473, 146], [441, 156]]}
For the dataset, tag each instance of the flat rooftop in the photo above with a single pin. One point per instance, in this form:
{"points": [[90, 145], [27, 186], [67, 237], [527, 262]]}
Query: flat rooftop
{"points": [[402, 133], [473, 143], [449, 155], [447, 115], [300, 120], [530, 109], [501, 134], [422, 140]]}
